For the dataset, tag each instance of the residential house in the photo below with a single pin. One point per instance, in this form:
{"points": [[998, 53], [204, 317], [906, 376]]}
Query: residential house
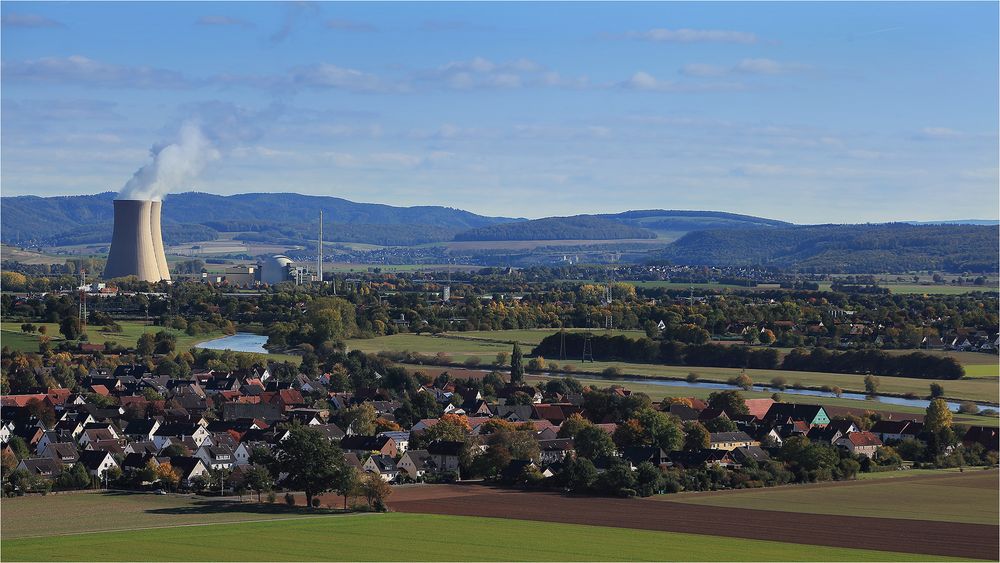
{"points": [[730, 440], [415, 463], [860, 443], [554, 450], [383, 465], [46, 467], [97, 462], [216, 457], [188, 467], [446, 455], [812, 415], [63, 452]]}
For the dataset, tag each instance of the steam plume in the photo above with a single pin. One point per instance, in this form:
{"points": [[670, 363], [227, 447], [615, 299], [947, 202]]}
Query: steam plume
{"points": [[174, 165]]}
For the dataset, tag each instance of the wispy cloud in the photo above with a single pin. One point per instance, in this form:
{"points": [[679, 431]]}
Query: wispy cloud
{"points": [[16, 19], [295, 12], [644, 81], [82, 70], [341, 24], [32, 110], [331, 76], [223, 21], [662, 35], [746, 66], [940, 133]]}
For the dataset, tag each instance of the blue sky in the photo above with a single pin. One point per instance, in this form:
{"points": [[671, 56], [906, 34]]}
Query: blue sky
{"points": [[807, 112]]}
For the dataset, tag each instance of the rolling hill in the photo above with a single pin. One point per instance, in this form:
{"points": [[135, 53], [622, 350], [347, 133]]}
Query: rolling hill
{"points": [[870, 248], [58, 220]]}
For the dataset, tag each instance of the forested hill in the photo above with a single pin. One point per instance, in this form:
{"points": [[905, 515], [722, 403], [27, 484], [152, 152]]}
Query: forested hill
{"points": [[687, 221], [579, 227], [28, 219], [891, 247]]}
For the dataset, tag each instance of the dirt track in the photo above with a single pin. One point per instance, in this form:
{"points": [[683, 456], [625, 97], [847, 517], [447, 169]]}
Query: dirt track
{"points": [[977, 541]]}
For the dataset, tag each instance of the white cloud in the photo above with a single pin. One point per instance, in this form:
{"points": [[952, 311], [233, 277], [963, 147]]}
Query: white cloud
{"points": [[16, 19], [746, 66], [324, 75], [82, 70], [644, 81], [940, 133], [767, 66], [661, 35]]}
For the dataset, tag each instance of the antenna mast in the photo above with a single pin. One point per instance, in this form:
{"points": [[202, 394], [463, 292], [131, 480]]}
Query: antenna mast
{"points": [[319, 250]]}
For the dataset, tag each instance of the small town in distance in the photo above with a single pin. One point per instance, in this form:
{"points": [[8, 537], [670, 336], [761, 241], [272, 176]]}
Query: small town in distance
{"points": [[283, 336]]}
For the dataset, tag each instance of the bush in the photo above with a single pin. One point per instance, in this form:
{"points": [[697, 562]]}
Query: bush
{"points": [[968, 407], [536, 364], [612, 372], [691, 377], [315, 503], [779, 382], [472, 361], [289, 499], [272, 497]]}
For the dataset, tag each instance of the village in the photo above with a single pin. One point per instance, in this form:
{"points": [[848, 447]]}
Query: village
{"points": [[135, 430]]}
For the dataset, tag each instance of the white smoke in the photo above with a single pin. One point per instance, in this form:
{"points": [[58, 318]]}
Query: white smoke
{"points": [[174, 165]]}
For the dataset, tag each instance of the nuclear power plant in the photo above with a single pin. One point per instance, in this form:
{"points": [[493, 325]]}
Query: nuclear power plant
{"points": [[137, 244]]}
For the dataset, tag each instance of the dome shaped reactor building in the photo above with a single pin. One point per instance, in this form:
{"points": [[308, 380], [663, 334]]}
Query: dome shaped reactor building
{"points": [[275, 269], [136, 244]]}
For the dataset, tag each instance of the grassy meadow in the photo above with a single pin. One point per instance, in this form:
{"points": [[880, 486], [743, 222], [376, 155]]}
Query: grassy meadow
{"points": [[485, 345], [971, 497], [174, 528], [10, 334]]}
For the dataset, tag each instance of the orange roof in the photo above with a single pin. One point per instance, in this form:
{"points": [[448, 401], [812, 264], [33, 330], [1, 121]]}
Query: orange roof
{"points": [[864, 439], [58, 396], [759, 407], [100, 390], [20, 400]]}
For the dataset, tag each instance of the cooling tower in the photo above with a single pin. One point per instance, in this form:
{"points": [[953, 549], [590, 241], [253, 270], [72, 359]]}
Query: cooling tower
{"points": [[133, 251], [154, 227]]}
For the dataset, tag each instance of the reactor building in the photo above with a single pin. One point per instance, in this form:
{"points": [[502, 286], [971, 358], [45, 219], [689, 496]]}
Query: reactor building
{"points": [[137, 244]]}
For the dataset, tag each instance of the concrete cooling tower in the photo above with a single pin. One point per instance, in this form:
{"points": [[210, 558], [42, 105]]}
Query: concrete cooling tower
{"points": [[137, 245]]}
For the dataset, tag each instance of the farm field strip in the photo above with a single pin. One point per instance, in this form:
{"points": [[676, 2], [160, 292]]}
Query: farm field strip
{"points": [[910, 536], [970, 497], [975, 389], [420, 537]]}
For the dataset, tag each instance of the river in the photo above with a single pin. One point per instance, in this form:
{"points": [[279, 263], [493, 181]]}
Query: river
{"points": [[249, 342], [239, 342]]}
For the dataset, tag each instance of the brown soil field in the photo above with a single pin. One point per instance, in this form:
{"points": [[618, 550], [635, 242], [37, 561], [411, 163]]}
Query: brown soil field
{"points": [[978, 541]]}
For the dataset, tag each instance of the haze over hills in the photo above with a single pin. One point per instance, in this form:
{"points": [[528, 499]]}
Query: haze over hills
{"points": [[681, 237], [888, 247]]}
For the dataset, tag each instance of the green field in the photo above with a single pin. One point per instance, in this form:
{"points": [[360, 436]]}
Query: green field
{"points": [[533, 336], [129, 335], [983, 389], [970, 497], [659, 392], [363, 537]]}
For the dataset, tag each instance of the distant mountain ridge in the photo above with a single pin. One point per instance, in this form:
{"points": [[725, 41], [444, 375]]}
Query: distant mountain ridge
{"points": [[702, 237], [32, 219], [869, 248]]}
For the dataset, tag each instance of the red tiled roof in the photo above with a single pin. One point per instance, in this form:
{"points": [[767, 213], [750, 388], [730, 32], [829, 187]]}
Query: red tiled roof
{"points": [[864, 439], [758, 407], [20, 400]]}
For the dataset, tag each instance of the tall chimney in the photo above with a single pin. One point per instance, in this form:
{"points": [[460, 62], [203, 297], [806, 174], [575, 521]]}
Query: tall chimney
{"points": [[132, 251], [154, 227]]}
